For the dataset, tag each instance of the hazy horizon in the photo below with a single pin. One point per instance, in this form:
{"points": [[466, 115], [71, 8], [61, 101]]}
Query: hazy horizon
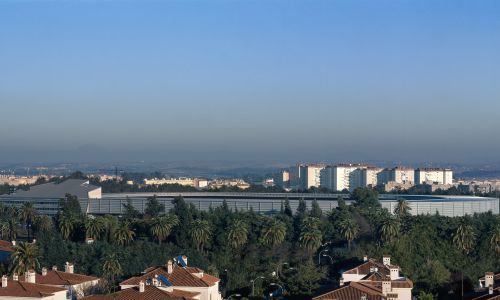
{"points": [[269, 81]]}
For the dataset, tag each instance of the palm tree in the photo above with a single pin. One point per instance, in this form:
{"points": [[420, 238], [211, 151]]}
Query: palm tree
{"points": [[495, 239], [27, 213], [200, 232], [349, 230], [237, 233], [402, 208], [24, 257], [43, 223], [310, 238], [4, 230], [273, 233], [465, 237], [66, 225], [94, 227], [162, 226], [12, 229], [123, 234], [389, 229], [111, 267]]}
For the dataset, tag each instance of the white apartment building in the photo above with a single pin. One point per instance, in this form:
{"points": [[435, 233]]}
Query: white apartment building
{"points": [[347, 176], [311, 176], [433, 175], [369, 176]]}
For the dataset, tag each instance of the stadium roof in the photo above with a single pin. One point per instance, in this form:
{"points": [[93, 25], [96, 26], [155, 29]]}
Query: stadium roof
{"points": [[76, 187]]}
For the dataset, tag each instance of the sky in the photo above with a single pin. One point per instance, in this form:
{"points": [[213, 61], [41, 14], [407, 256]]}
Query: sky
{"points": [[269, 81]]}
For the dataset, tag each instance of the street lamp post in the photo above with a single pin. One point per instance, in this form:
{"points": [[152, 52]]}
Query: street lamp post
{"points": [[326, 255], [319, 255], [279, 286], [233, 295], [253, 283]]}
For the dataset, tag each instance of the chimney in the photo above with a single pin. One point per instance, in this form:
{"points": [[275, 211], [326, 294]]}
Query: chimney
{"points": [[69, 268], [394, 273], [54, 268], [31, 276], [341, 283], [15, 277], [488, 279], [44, 271], [170, 266], [155, 280], [13, 243], [185, 259], [365, 258], [386, 259], [34, 241], [141, 286], [490, 290], [386, 287], [4, 281]]}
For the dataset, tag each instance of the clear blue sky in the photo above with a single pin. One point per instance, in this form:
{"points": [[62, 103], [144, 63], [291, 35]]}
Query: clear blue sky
{"points": [[250, 80]]}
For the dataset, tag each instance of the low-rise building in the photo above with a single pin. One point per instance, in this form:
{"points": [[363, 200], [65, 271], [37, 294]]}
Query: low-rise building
{"points": [[488, 288], [372, 280], [13, 289], [147, 292], [176, 275], [76, 285]]}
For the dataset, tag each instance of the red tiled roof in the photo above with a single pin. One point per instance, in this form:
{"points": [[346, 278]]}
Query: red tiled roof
{"points": [[25, 289], [179, 277], [6, 246], [61, 278], [365, 268], [353, 290], [150, 293]]}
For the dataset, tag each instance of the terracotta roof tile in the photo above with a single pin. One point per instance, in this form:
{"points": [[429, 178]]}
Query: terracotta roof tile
{"points": [[179, 277], [25, 289], [61, 278], [353, 290], [150, 293], [6, 246]]}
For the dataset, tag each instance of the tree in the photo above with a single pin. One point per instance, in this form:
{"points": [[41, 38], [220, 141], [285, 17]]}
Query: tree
{"points": [[288, 209], [273, 233], [315, 209], [464, 237], [495, 239], [94, 227], [349, 229], [66, 225], [24, 257], [4, 230], [130, 211], [69, 205], [402, 208], [27, 213], [123, 234], [303, 281], [389, 229], [43, 224], [201, 232], [153, 207], [425, 296], [162, 226], [111, 267], [237, 233], [365, 197]]}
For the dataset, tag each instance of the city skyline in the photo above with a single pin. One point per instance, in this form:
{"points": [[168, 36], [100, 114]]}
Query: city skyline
{"points": [[256, 81]]}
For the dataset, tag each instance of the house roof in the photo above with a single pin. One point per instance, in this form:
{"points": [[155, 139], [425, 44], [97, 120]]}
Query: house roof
{"points": [[76, 187], [483, 293], [25, 289], [180, 276], [61, 278], [6, 246], [366, 267], [150, 293], [353, 290]]}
